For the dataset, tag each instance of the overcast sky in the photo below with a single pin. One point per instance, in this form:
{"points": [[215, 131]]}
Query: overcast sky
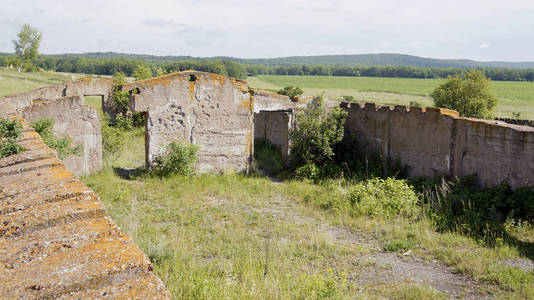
{"points": [[475, 29]]}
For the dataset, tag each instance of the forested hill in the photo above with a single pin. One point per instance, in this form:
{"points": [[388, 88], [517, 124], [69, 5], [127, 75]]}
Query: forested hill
{"points": [[329, 60]]}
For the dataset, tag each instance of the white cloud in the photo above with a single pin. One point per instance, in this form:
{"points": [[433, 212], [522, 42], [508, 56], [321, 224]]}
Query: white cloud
{"points": [[258, 28], [484, 45]]}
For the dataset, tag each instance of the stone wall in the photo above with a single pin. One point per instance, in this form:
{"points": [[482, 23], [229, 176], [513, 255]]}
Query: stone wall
{"points": [[55, 238], [77, 121], [274, 126], [211, 111], [87, 86], [435, 141]]}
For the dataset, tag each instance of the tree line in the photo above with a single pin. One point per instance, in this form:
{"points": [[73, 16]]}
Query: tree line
{"points": [[110, 66]]}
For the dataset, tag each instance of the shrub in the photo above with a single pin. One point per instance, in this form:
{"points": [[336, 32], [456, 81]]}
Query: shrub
{"points": [[125, 119], [10, 131], [308, 172], [268, 157], [315, 134], [291, 91], [62, 146], [348, 98], [178, 158], [142, 72], [415, 104], [383, 197], [470, 95]]}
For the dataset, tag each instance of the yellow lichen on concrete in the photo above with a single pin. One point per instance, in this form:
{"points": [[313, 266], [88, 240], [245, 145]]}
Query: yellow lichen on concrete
{"points": [[55, 239]]}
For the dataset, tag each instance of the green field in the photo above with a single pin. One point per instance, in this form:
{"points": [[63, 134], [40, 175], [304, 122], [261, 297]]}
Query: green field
{"points": [[513, 96], [14, 82]]}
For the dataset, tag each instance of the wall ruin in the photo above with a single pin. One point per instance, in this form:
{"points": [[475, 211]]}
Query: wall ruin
{"points": [[55, 238], [87, 86], [208, 110], [435, 142], [274, 126], [73, 119]]}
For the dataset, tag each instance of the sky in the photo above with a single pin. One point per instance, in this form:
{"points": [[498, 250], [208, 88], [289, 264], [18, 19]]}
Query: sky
{"points": [[472, 29]]}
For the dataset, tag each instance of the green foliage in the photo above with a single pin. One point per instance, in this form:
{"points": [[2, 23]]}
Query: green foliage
{"points": [[178, 158], [268, 157], [348, 98], [291, 91], [121, 99], [383, 197], [63, 146], [125, 119], [142, 72], [461, 206], [10, 131], [27, 45], [415, 104], [113, 140], [315, 134], [470, 95]]}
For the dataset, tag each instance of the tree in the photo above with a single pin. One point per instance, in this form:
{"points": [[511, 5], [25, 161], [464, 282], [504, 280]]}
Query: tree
{"points": [[470, 95], [27, 45], [142, 72]]}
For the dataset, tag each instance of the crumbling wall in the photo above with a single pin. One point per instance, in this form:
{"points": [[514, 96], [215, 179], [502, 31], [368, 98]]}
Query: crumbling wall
{"points": [[208, 110], [55, 238], [87, 86], [274, 126], [436, 142], [77, 121]]}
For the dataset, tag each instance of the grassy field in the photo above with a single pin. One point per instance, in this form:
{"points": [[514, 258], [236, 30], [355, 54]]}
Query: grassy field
{"points": [[239, 237], [513, 96], [13, 82]]}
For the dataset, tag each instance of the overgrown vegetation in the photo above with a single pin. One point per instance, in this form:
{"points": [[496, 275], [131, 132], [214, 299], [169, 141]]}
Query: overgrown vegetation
{"points": [[268, 157], [177, 159], [10, 131], [63, 146], [470, 95], [124, 118], [291, 91], [313, 139]]}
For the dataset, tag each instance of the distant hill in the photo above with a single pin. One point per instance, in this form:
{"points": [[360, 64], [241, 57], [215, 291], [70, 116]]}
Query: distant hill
{"points": [[384, 59]]}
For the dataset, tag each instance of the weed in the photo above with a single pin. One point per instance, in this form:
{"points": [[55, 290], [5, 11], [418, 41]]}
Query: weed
{"points": [[10, 131], [63, 146]]}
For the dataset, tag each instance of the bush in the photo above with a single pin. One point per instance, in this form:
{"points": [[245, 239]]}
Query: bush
{"points": [[10, 131], [291, 91], [383, 197], [125, 119], [62, 146], [348, 98], [179, 158], [268, 157], [461, 206], [315, 134], [470, 95]]}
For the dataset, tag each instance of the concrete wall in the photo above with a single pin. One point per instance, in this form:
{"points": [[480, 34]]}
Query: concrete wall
{"points": [[55, 238], [87, 86], [274, 126], [79, 122], [435, 141], [211, 111]]}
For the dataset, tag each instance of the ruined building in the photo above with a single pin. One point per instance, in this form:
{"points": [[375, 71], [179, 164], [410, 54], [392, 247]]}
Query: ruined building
{"points": [[55, 238]]}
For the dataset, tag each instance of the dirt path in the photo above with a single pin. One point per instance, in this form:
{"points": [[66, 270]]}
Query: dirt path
{"points": [[374, 265]]}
